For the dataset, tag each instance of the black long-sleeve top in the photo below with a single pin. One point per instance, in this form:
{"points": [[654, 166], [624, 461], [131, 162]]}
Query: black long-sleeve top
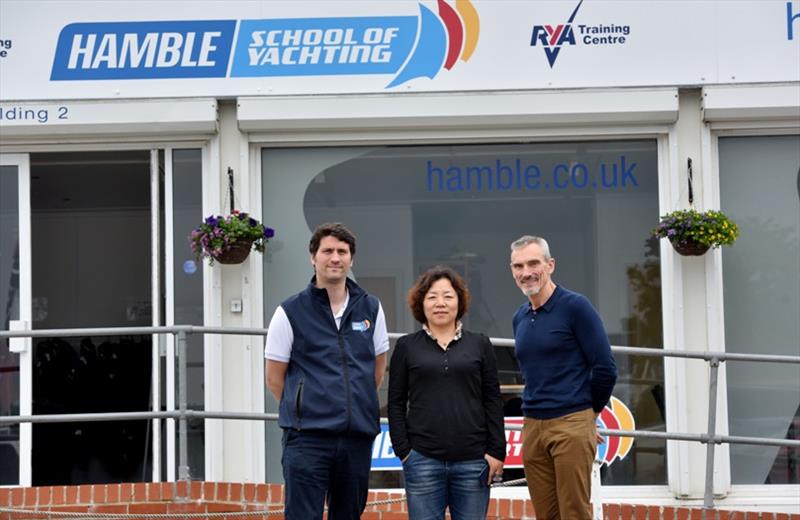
{"points": [[445, 403]]}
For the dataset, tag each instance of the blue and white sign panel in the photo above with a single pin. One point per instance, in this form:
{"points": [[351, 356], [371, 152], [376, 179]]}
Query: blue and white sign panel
{"points": [[139, 50], [323, 46], [62, 50], [383, 457]]}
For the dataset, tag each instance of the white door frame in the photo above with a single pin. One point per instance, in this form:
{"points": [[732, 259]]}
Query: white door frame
{"points": [[161, 262], [22, 162]]}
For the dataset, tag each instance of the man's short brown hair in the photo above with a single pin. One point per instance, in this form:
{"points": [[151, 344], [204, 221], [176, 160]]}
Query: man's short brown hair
{"points": [[416, 295], [332, 229]]}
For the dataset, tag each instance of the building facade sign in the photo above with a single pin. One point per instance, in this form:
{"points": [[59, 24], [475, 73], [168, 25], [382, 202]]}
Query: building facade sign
{"points": [[246, 48]]}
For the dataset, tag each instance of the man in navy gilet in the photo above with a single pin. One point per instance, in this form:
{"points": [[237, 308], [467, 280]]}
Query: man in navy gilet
{"points": [[326, 357], [569, 373]]}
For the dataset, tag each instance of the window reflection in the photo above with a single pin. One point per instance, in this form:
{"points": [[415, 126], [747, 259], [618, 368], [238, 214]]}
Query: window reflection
{"points": [[416, 206], [762, 301]]}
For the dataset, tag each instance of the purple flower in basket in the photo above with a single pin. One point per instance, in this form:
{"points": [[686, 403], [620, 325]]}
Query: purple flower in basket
{"points": [[219, 236], [710, 228]]}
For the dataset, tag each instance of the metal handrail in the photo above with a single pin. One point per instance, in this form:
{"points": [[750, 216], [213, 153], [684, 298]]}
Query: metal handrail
{"points": [[710, 438]]}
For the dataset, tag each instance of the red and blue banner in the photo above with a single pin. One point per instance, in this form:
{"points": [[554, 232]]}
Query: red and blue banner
{"points": [[615, 416]]}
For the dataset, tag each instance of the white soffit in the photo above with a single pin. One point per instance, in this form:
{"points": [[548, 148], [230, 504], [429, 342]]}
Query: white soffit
{"points": [[459, 110], [107, 117], [776, 102]]}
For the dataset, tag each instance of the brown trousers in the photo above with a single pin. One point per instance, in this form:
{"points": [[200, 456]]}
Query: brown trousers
{"points": [[558, 455]]}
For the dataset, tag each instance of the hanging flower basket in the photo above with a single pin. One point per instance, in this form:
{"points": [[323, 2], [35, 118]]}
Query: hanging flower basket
{"points": [[692, 233], [689, 247], [229, 239], [235, 253]]}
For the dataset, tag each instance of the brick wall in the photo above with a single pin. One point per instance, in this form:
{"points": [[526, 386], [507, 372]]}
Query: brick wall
{"points": [[214, 497]]}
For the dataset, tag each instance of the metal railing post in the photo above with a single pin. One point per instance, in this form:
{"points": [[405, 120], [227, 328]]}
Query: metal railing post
{"points": [[708, 498], [183, 441]]}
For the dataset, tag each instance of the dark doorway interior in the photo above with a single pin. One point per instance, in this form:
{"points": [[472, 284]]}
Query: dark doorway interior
{"points": [[91, 268]]}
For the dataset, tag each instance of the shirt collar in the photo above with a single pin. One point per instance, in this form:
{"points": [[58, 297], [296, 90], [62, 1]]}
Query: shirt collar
{"points": [[455, 338], [338, 315], [550, 303]]}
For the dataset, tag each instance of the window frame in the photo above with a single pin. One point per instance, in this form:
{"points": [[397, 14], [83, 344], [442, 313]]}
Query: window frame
{"points": [[329, 125]]}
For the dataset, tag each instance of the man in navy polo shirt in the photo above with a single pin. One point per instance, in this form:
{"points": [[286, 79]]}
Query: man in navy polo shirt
{"points": [[326, 357], [569, 373]]}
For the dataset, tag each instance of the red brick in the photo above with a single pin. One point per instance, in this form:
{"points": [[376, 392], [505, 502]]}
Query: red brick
{"points": [[44, 494], [59, 495], [612, 511], [140, 492], [186, 507], [626, 511], [262, 493], [223, 491], [109, 508], [517, 507], [29, 496], [148, 508], [112, 493], [85, 494], [398, 504], [235, 492], [5, 496], [393, 516], [249, 492], [209, 491], [181, 489], [640, 512], [668, 513], [17, 497], [153, 491], [275, 493], [767, 516], [99, 492], [195, 490], [71, 495], [167, 490], [503, 507], [125, 492], [781, 516], [70, 508], [371, 516], [222, 507], [723, 515]]}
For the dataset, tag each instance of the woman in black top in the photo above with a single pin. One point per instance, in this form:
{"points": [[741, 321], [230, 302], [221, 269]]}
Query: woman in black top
{"points": [[445, 408]]}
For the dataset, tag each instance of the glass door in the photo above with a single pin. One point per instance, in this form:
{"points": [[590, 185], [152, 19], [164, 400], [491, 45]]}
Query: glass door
{"points": [[15, 305], [97, 239], [92, 253]]}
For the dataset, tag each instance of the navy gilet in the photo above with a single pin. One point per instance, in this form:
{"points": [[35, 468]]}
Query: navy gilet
{"points": [[330, 380]]}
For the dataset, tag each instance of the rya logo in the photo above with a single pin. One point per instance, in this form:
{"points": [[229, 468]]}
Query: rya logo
{"points": [[552, 37]]}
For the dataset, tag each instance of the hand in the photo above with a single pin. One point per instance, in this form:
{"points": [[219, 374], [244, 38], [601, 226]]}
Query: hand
{"points": [[597, 435], [495, 468]]}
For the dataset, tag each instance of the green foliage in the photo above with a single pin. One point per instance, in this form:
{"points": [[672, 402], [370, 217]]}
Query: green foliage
{"points": [[711, 228], [217, 234]]}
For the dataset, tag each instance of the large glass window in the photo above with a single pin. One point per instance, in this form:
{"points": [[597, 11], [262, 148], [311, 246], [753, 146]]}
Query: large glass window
{"points": [[760, 189], [90, 218], [9, 305], [187, 199], [412, 207]]}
